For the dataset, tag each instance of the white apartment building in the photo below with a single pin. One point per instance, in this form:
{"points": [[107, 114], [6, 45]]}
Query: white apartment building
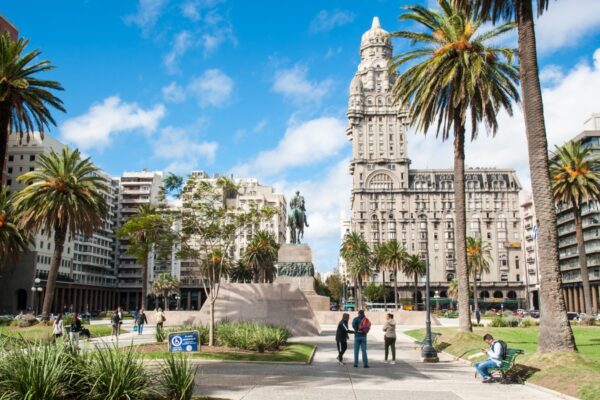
{"points": [[391, 200], [530, 252]]}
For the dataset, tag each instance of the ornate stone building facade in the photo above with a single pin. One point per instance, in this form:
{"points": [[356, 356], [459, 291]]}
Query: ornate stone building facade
{"points": [[389, 200]]}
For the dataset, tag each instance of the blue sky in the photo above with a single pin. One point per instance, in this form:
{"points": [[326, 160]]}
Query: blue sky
{"points": [[258, 88]]}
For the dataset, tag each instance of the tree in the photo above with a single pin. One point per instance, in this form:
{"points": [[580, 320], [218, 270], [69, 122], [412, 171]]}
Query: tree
{"points": [[380, 261], [375, 293], [453, 289], [415, 266], [479, 255], [148, 232], [25, 100], [575, 173], [453, 75], [396, 259], [555, 331], [165, 284], [209, 231], [12, 239], [173, 185], [335, 286], [241, 273], [64, 195], [355, 251], [320, 287], [261, 255]]}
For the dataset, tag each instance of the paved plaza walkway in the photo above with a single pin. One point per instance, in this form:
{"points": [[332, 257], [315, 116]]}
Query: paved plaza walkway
{"points": [[325, 379]]}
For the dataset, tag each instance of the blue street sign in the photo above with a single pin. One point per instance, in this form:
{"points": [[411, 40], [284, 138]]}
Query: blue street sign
{"points": [[184, 341]]}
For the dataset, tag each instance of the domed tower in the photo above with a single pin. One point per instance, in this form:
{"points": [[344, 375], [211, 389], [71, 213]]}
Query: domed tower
{"points": [[377, 129]]}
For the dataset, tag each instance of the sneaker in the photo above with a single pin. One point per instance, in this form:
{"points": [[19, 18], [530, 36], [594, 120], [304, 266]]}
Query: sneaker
{"points": [[393, 362], [487, 380], [366, 366], [355, 366], [386, 361]]}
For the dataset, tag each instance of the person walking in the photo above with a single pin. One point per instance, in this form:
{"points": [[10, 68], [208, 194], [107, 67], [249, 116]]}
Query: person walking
{"points": [[115, 322], [342, 336], [75, 330], [160, 318], [58, 327], [390, 337], [496, 353], [141, 320], [361, 326], [478, 316]]}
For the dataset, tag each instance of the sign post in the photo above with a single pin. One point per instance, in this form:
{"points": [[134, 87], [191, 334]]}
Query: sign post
{"points": [[187, 341]]}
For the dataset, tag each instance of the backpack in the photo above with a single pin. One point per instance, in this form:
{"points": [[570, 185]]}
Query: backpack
{"points": [[503, 348], [365, 325]]}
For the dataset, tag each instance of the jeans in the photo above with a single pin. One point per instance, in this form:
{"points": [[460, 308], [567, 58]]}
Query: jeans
{"points": [[341, 347], [360, 342], [140, 328], [390, 343], [74, 336], [482, 367]]}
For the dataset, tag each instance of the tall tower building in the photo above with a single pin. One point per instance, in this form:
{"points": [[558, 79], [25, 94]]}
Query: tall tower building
{"points": [[389, 200]]}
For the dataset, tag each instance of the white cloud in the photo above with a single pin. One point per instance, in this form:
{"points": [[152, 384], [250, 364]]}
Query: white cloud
{"points": [[567, 104], [183, 149], [566, 23], [551, 75], [96, 128], [173, 93], [328, 20], [190, 11], [212, 88], [303, 144], [218, 30], [333, 51], [260, 125], [148, 12], [181, 44], [293, 83]]}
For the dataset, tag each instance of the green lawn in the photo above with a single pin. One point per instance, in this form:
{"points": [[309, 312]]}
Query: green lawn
{"points": [[573, 374], [295, 352], [41, 332]]}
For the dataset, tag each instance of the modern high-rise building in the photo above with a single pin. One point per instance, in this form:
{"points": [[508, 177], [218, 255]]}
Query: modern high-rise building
{"points": [[87, 275], [567, 243], [390, 200]]}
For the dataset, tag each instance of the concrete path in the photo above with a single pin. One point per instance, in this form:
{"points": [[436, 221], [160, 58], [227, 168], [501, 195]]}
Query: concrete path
{"points": [[327, 379], [125, 339]]}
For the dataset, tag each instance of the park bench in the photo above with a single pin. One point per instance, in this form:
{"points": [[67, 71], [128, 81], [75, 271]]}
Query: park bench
{"points": [[434, 337], [507, 365]]}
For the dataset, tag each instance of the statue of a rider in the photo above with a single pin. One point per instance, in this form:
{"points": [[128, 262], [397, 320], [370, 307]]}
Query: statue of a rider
{"points": [[297, 218]]}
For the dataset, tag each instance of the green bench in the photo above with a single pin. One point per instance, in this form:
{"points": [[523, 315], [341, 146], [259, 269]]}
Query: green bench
{"points": [[434, 336], [508, 364]]}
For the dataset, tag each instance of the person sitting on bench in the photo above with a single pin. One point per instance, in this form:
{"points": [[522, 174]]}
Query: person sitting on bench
{"points": [[496, 354]]}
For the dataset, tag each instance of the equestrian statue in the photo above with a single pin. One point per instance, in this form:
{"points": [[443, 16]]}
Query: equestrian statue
{"points": [[297, 218]]}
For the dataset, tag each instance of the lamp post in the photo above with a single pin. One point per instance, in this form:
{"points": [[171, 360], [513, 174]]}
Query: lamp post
{"points": [[436, 296], [36, 288], [428, 353], [177, 298]]}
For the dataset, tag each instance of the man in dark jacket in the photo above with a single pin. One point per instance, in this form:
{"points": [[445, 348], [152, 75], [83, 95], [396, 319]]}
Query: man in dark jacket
{"points": [[341, 337]]}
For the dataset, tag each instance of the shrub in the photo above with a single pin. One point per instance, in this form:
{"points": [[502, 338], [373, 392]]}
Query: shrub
{"points": [[251, 336], [587, 320], [161, 334], [490, 314], [498, 322], [25, 321], [117, 374], [177, 377], [527, 322], [37, 371], [508, 313], [511, 321]]}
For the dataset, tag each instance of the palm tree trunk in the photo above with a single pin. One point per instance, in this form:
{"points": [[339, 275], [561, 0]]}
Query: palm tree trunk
{"points": [[416, 293], [60, 235], [384, 294], [396, 288], [4, 132], [585, 276], [460, 227], [165, 294], [144, 282], [555, 332], [475, 304]]}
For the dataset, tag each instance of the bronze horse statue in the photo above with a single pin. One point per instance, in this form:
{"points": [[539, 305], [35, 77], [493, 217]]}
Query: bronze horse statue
{"points": [[296, 220]]}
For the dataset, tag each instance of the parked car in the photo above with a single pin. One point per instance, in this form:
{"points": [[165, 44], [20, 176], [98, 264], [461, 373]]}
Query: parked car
{"points": [[333, 306], [573, 316], [349, 306], [534, 313]]}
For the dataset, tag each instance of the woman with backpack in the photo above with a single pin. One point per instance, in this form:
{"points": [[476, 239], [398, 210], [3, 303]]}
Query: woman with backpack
{"points": [[390, 337], [140, 320]]}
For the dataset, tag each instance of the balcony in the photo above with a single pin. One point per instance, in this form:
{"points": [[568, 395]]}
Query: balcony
{"points": [[532, 271]]}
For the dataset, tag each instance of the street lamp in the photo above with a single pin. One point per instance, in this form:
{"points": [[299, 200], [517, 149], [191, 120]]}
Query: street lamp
{"points": [[177, 298], [436, 296], [37, 287], [428, 353]]}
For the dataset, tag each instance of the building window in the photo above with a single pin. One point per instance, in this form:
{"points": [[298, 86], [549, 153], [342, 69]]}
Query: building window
{"points": [[11, 158], [504, 277], [32, 157]]}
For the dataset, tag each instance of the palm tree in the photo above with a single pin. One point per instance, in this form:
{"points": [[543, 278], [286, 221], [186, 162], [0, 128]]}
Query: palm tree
{"points": [[355, 251], [453, 75], [380, 261], [24, 99], [396, 259], [260, 255], [147, 230], [453, 289], [575, 173], [12, 239], [64, 195], [479, 255], [555, 332], [415, 266], [241, 273], [164, 284]]}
